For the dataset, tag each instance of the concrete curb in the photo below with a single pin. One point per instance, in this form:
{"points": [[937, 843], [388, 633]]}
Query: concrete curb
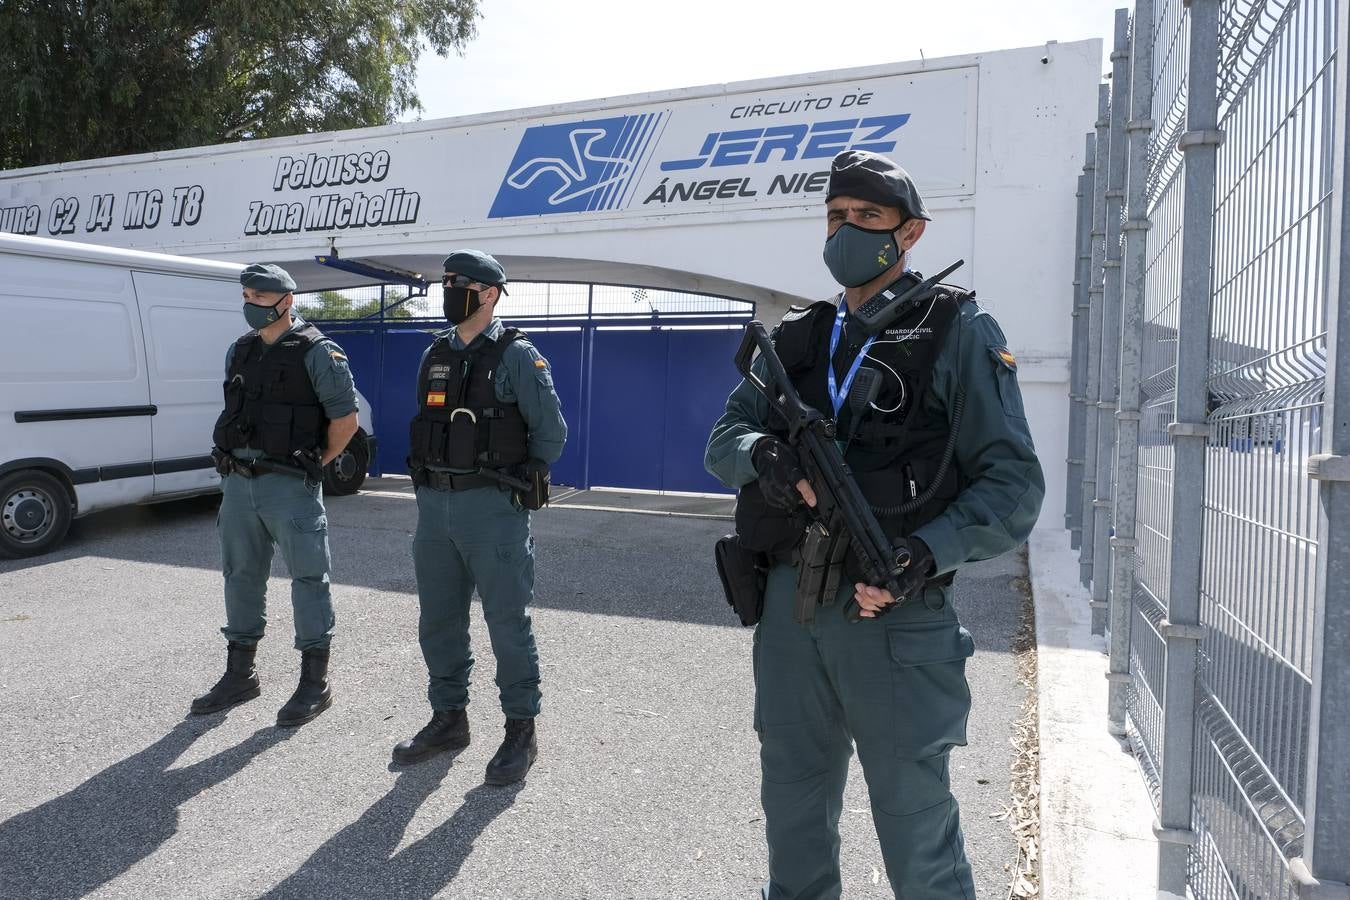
{"points": [[1096, 816]]}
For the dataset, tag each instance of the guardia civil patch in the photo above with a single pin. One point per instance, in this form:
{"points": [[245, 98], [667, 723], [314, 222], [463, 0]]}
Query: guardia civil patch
{"points": [[884, 256], [1004, 355]]}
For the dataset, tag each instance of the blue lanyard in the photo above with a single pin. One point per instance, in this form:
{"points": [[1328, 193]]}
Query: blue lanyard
{"points": [[839, 394]]}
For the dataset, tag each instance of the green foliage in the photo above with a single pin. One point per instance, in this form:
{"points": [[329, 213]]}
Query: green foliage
{"points": [[80, 80], [327, 305]]}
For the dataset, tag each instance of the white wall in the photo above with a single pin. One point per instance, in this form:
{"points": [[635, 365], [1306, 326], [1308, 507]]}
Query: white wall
{"points": [[993, 140]]}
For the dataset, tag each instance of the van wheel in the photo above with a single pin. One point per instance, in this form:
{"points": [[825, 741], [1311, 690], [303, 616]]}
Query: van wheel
{"points": [[35, 513], [347, 472]]}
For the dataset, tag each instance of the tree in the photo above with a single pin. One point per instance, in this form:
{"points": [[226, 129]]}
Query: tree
{"points": [[80, 80], [328, 305]]}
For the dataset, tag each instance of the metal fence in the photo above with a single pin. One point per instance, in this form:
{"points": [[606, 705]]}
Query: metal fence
{"points": [[1209, 445]]}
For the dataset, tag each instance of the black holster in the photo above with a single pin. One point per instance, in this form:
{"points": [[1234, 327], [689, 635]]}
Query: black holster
{"points": [[744, 575], [535, 472], [223, 460]]}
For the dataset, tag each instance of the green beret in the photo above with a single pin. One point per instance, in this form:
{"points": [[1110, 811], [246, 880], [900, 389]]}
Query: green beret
{"points": [[267, 277], [477, 265], [872, 177]]}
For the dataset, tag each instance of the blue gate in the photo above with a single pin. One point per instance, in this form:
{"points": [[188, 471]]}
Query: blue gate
{"points": [[640, 394]]}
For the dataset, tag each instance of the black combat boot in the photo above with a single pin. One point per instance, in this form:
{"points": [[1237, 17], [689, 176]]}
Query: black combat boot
{"points": [[447, 730], [313, 695], [239, 683], [516, 754]]}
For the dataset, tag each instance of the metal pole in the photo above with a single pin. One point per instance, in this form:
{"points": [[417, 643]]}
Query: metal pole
{"points": [[1109, 379], [1135, 264], [380, 338], [1078, 418], [1323, 872], [1190, 436], [1092, 387], [1073, 456], [587, 359]]}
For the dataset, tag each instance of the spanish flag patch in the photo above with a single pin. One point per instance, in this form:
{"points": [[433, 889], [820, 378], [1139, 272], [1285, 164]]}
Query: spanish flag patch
{"points": [[1004, 356], [540, 364], [435, 398]]}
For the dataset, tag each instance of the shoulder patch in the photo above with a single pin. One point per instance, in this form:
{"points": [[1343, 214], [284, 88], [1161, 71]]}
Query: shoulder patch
{"points": [[1003, 356], [338, 355], [535, 358]]}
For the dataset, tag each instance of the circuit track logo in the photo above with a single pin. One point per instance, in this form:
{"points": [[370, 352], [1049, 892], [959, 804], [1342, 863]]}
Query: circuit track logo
{"points": [[575, 167]]}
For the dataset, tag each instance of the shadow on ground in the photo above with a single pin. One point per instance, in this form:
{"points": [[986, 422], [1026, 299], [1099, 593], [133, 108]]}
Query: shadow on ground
{"points": [[74, 843], [360, 860], [611, 563]]}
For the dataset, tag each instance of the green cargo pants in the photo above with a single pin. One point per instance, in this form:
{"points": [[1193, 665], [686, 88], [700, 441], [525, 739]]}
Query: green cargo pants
{"points": [[256, 514], [469, 538], [895, 686]]}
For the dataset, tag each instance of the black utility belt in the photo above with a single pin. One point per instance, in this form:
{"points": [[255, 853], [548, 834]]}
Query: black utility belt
{"points": [[451, 481], [229, 464], [247, 468]]}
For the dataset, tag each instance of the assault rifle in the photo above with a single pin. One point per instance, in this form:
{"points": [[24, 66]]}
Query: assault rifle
{"points": [[841, 518]]}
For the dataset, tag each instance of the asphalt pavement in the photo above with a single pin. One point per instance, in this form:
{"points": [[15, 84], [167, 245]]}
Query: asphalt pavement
{"points": [[647, 780]]}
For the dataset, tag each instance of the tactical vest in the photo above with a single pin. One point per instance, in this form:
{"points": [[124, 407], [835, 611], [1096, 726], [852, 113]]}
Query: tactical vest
{"points": [[460, 423], [270, 403], [896, 448]]}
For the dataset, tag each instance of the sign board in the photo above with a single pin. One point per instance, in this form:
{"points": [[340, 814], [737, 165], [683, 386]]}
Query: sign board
{"points": [[703, 154]]}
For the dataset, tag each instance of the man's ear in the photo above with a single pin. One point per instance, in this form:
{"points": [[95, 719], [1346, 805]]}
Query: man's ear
{"points": [[910, 232]]}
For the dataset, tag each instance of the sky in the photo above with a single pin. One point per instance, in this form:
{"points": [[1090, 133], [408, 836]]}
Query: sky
{"points": [[537, 53]]}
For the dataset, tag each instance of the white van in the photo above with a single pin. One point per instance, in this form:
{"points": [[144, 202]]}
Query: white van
{"points": [[111, 363]]}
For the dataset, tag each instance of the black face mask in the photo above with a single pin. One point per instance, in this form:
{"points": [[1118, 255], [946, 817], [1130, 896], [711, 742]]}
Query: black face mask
{"points": [[460, 300]]}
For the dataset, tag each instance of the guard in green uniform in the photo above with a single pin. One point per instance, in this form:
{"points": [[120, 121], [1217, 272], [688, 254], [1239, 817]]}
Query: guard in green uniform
{"points": [[290, 409], [944, 456], [487, 428]]}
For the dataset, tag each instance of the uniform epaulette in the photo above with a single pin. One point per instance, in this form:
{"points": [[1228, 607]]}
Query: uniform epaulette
{"points": [[959, 294], [800, 312]]}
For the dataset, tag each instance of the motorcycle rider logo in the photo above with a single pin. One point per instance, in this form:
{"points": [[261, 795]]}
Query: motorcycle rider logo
{"points": [[574, 167]]}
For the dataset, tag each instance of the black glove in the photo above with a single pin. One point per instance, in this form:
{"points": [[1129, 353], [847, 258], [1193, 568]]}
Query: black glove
{"points": [[779, 471], [310, 461], [913, 576], [223, 460]]}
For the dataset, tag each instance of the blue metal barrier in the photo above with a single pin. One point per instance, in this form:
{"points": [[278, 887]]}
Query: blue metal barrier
{"points": [[639, 394]]}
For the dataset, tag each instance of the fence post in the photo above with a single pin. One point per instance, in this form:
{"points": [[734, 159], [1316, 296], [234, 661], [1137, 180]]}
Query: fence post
{"points": [[1092, 385], [1078, 374], [1109, 358], [1323, 872], [1138, 129], [1190, 436], [1073, 499]]}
